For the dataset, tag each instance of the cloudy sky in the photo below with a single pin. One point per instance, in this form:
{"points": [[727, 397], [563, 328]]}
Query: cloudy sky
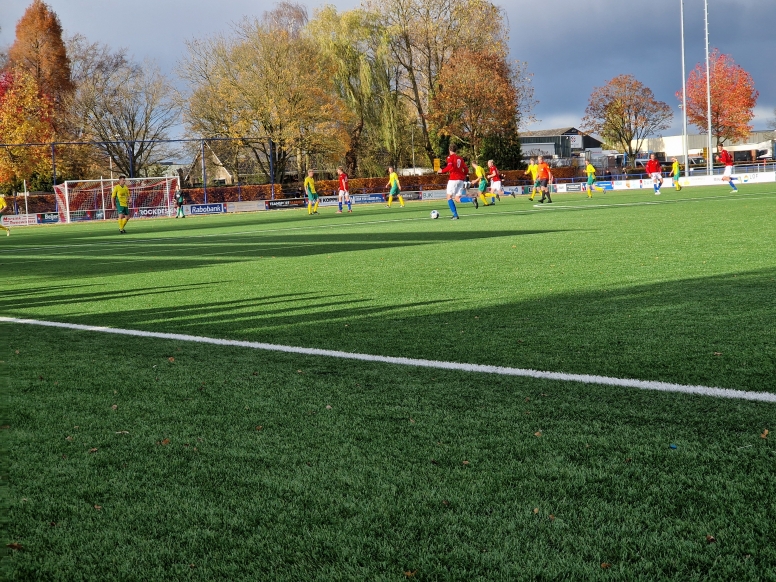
{"points": [[571, 46]]}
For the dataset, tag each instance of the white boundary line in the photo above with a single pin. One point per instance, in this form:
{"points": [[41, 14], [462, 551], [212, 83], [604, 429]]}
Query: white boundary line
{"points": [[503, 371]]}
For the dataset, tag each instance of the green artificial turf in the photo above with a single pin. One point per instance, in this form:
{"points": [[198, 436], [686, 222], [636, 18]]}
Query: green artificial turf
{"points": [[410, 472]]}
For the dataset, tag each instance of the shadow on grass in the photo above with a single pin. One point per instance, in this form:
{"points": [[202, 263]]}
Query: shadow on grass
{"points": [[714, 331], [171, 254]]}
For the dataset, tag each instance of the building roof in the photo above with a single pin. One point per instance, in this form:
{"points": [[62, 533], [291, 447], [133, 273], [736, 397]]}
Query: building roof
{"points": [[550, 132]]}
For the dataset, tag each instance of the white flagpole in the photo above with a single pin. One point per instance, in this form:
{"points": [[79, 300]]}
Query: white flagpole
{"points": [[684, 99], [709, 161]]}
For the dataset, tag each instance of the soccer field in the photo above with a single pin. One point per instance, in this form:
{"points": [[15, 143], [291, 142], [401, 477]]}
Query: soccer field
{"points": [[438, 454]]}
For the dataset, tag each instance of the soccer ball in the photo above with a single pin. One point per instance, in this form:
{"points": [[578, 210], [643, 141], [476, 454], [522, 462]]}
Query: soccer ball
{"points": [[434, 214]]}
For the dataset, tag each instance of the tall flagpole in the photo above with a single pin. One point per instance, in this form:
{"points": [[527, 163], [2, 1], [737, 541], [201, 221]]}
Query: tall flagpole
{"points": [[710, 157], [684, 99]]}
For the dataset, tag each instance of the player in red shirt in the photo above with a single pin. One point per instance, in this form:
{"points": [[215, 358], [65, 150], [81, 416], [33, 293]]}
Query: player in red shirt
{"points": [[724, 157], [343, 191], [655, 171], [495, 179], [458, 171]]}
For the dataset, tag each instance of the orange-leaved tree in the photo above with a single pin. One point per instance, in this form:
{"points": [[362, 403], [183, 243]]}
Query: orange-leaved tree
{"points": [[26, 117], [475, 98], [625, 112], [39, 49], [733, 98]]}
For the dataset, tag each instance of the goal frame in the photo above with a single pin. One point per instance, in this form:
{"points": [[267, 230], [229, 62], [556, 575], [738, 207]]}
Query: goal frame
{"points": [[150, 197]]}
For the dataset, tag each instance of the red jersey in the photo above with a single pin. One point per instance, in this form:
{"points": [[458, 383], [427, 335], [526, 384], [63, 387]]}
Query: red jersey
{"points": [[343, 182], [495, 176], [456, 166], [725, 158], [654, 167]]}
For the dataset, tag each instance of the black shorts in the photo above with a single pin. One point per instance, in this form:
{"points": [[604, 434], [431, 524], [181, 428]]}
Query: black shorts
{"points": [[542, 183]]}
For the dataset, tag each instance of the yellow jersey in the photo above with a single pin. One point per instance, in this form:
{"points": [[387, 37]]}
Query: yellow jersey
{"points": [[2, 203], [479, 171], [532, 170], [393, 180], [309, 185], [121, 194], [675, 168], [590, 171]]}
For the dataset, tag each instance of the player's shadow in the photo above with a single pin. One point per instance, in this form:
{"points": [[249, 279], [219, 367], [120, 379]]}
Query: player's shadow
{"points": [[126, 297]]}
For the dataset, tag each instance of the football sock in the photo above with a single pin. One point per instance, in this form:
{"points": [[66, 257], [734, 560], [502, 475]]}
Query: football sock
{"points": [[451, 204], [349, 208], [732, 185], [309, 207], [5, 228], [484, 200], [401, 200], [315, 206], [340, 206], [390, 200]]}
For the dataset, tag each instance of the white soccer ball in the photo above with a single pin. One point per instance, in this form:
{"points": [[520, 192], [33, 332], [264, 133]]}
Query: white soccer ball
{"points": [[434, 214]]}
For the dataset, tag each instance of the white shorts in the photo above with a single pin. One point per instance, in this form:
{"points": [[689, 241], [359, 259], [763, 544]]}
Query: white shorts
{"points": [[656, 176], [728, 171], [455, 188], [495, 185], [344, 193]]}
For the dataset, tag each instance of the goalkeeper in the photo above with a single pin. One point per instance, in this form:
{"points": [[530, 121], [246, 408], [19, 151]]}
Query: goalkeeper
{"points": [[119, 197], [179, 202], [3, 208]]}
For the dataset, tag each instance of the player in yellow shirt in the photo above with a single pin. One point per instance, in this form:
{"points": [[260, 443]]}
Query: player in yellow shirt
{"points": [[119, 197], [675, 174], [532, 171], [482, 183], [395, 187], [312, 195], [590, 171], [3, 207]]}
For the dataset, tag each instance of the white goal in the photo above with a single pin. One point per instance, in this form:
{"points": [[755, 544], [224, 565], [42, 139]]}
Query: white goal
{"points": [[79, 200]]}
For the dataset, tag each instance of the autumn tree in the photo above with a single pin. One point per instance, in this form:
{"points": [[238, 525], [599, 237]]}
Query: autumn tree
{"points": [[26, 117], [40, 50], [625, 112], [354, 42], [266, 82], [468, 106], [733, 98], [424, 35]]}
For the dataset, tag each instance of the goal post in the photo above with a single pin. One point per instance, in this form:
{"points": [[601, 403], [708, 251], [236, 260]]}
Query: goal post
{"points": [[79, 200]]}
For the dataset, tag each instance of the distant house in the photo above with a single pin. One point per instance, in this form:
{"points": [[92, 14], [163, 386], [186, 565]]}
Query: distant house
{"points": [[216, 172], [563, 142]]}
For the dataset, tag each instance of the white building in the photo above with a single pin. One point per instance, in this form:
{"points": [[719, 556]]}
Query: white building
{"points": [[759, 145]]}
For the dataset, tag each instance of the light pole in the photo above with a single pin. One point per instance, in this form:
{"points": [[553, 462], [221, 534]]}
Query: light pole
{"points": [[684, 100], [709, 158], [413, 150]]}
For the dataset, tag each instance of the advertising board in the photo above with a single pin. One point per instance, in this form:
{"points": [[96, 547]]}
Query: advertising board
{"points": [[199, 209]]}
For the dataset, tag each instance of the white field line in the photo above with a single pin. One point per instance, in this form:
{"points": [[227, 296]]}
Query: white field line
{"points": [[500, 370], [127, 242]]}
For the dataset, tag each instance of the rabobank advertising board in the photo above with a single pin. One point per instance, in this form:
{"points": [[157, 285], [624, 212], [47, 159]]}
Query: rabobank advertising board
{"points": [[198, 209]]}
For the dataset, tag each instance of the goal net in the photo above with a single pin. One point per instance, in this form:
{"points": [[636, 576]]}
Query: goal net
{"points": [[79, 200]]}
